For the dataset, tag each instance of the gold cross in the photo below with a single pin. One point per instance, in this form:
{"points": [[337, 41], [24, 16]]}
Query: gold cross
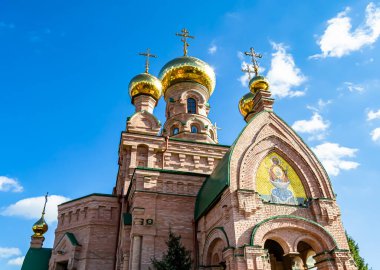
{"points": [[254, 57], [147, 54], [46, 198], [184, 34], [247, 70]]}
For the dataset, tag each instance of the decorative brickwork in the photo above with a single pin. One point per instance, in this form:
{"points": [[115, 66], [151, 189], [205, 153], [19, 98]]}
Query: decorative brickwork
{"points": [[268, 205]]}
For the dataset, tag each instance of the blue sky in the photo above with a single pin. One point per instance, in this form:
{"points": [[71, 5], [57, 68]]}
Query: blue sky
{"points": [[65, 68]]}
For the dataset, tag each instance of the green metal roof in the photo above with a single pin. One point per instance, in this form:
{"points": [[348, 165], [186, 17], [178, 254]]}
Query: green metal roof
{"points": [[127, 219], [218, 181], [213, 187], [72, 239], [37, 259]]}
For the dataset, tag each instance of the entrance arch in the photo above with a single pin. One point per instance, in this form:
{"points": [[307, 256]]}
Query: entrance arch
{"points": [[291, 230], [216, 242], [276, 254]]}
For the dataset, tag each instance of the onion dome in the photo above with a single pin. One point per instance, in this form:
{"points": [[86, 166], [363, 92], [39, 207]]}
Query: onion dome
{"points": [[40, 227], [246, 104], [258, 83], [145, 84], [187, 68]]}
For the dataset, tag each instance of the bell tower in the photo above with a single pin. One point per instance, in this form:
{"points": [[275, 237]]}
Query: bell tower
{"points": [[187, 84]]}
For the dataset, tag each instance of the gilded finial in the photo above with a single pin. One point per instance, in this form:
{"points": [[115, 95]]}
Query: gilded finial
{"points": [[41, 227], [248, 70], [254, 57], [147, 54], [185, 35]]}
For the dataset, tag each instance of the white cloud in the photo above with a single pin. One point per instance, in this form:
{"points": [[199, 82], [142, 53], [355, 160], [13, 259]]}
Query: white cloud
{"points": [[333, 157], [31, 208], [354, 87], [372, 115], [9, 184], [284, 75], [6, 252], [16, 261], [244, 79], [321, 104], [316, 126], [340, 39], [375, 134], [212, 49]]}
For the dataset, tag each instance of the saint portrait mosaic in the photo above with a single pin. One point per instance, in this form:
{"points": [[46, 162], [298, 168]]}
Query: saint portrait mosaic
{"points": [[277, 181]]}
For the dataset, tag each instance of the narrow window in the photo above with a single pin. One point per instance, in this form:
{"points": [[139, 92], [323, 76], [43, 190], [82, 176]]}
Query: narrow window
{"points": [[212, 135], [191, 105], [194, 129], [175, 131]]}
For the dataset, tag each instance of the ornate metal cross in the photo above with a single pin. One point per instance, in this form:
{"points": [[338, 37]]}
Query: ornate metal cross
{"points": [[254, 57], [185, 35], [147, 54], [247, 70], [46, 199]]}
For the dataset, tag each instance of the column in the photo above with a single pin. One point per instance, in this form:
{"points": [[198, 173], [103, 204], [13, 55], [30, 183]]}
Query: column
{"points": [[136, 252], [125, 261]]}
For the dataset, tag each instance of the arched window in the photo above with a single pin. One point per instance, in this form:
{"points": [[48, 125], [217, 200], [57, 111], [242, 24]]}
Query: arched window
{"points": [[212, 135], [194, 129], [191, 105], [175, 130]]}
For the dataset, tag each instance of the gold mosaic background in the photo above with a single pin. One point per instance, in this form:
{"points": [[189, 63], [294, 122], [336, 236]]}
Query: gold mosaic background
{"points": [[263, 184]]}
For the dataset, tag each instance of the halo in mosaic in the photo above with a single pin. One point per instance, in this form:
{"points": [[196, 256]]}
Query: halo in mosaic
{"points": [[277, 181]]}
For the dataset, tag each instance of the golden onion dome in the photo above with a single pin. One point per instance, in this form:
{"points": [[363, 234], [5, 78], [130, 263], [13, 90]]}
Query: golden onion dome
{"points": [[246, 104], [258, 83], [187, 68], [40, 227], [145, 84]]}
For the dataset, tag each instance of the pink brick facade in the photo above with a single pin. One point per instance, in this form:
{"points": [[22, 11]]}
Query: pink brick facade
{"points": [[157, 185]]}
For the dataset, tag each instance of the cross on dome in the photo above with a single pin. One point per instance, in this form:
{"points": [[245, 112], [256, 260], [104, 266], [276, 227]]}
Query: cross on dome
{"points": [[46, 199], [254, 57], [147, 54], [248, 70], [185, 35]]}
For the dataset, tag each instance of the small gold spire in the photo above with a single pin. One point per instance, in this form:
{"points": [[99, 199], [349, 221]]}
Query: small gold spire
{"points": [[184, 34], [147, 54], [254, 57], [41, 227], [248, 70]]}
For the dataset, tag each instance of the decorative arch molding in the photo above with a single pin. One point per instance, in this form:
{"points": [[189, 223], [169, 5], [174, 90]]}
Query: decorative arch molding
{"points": [[315, 185], [308, 240], [199, 98], [265, 126], [217, 233], [196, 121], [309, 231], [143, 121]]}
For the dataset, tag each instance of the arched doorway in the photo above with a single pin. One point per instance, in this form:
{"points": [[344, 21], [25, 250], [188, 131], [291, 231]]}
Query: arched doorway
{"points": [[276, 255], [307, 254], [215, 257]]}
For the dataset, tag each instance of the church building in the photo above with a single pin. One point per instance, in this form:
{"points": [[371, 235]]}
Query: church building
{"points": [[263, 203]]}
